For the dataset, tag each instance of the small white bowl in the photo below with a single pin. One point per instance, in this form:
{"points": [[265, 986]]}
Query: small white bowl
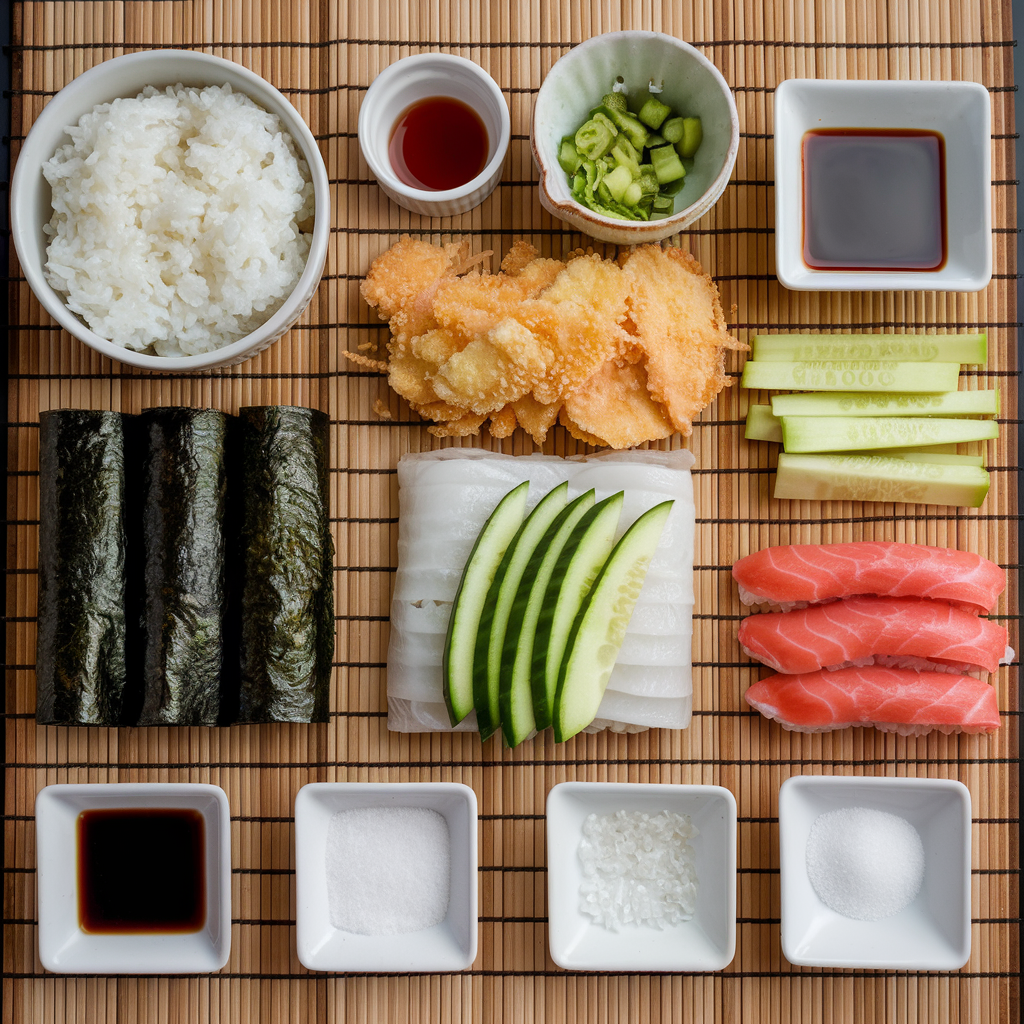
{"points": [[64, 947], [421, 77], [934, 932], [448, 946], [693, 87], [705, 943], [959, 111], [125, 77]]}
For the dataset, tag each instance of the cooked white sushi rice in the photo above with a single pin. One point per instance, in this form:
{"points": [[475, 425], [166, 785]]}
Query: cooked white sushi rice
{"points": [[446, 496]]}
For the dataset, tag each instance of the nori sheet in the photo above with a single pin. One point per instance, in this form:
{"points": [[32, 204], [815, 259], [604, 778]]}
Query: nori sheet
{"points": [[287, 562], [81, 674], [183, 500]]}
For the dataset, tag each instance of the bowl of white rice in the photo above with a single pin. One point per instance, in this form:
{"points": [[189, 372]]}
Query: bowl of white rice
{"points": [[171, 210]]}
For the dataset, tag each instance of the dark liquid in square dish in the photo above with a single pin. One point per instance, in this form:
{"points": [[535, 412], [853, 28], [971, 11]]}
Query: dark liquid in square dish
{"points": [[141, 870], [874, 199]]}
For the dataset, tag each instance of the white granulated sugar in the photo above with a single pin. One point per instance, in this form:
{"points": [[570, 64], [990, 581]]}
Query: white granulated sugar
{"points": [[388, 870], [638, 868], [180, 219], [865, 864]]}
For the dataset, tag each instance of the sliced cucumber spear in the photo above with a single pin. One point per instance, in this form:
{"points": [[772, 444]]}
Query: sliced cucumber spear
{"points": [[863, 403], [484, 559], [515, 691], [762, 425], [856, 433], [490, 636], [600, 625], [851, 375], [904, 348], [578, 565]]}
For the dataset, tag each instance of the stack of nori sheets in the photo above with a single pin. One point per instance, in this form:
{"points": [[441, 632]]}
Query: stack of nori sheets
{"points": [[185, 567]]}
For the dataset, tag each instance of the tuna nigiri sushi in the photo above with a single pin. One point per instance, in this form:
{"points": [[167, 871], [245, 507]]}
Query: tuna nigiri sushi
{"points": [[799, 574], [891, 699], [912, 632]]}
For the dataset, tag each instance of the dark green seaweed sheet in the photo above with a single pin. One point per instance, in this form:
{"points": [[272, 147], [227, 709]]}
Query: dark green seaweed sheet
{"points": [[287, 559], [80, 658], [183, 483]]}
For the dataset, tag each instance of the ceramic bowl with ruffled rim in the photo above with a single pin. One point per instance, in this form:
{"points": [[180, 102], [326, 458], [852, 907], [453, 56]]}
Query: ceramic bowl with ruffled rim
{"points": [[691, 85]]}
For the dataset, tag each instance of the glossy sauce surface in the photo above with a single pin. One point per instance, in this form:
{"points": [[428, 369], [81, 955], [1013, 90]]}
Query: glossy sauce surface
{"points": [[874, 199], [437, 144], [141, 870]]}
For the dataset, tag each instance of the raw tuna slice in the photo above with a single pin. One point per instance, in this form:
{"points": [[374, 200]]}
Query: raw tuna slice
{"points": [[800, 574], [856, 630], [891, 699]]}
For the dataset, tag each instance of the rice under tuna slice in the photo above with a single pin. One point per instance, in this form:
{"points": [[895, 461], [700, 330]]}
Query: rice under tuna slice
{"points": [[180, 219]]}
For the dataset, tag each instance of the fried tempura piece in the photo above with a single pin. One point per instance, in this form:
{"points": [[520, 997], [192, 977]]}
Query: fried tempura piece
{"points": [[503, 424], [679, 324], [534, 417], [463, 427], [616, 403]]}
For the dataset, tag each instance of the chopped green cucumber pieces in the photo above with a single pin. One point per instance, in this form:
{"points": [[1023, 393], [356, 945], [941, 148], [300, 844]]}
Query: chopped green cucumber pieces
{"points": [[654, 145]]}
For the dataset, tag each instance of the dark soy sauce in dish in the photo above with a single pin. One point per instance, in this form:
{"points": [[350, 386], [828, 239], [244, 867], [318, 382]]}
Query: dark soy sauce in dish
{"points": [[437, 144], [141, 870], [874, 199]]}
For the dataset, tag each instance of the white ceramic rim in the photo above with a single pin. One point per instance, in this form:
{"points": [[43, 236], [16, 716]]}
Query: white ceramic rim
{"points": [[787, 792], [382, 170], [643, 230], [308, 280], [167, 792], [809, 279]]}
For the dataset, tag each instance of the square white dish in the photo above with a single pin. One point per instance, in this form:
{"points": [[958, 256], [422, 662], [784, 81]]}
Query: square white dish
{"points": [[64, 947], [707, 942], [934, 932], [959, 111], [448, 946]]}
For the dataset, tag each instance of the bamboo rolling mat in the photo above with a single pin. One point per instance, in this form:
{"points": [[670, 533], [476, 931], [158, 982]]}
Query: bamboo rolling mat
{"points": [[323, 56]]}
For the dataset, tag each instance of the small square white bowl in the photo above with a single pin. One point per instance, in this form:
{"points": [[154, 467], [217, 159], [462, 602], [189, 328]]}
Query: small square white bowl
{"points": [[707, 942], [448, 946], [959, 111], [934, 932], [64, 947]]}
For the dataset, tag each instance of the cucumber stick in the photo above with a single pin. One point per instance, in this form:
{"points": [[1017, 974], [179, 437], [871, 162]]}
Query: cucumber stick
{"points": [[578, 565], [600, 625], [855, 433], [861, 403], [877, 478], [490, 636], [851, 375], [904, 348], [515, 691], [484, 559], [763, 425]]}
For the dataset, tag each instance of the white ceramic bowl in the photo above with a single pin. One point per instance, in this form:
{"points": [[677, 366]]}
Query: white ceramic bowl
{"points": [[448, 946], [705, 943], [128, 76], [934, 932], [64, 947], [420, 77], [959, 111], [693, 87]]}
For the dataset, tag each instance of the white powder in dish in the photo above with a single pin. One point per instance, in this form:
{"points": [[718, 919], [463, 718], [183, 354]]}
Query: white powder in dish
{"points": [[388, 869], [638, 868], [865, 864], [181, 219]]}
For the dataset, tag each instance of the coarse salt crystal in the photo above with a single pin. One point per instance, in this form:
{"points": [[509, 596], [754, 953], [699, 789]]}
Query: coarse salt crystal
{"points": [[638, 868], [388, 869]]}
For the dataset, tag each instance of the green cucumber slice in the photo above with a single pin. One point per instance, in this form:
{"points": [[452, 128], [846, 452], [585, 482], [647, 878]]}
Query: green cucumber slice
{"points": [[861, 403], [903, 348], [515, 689], [693, 135], [490, 636], [877, 478], [854, 433], [762, 425], [484, 559], [600, 625], [578, 565], [851, 375]]}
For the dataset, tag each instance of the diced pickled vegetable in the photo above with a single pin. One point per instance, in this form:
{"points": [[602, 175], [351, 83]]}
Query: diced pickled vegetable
{"points": [[595, 138], [653, 112], [693, 135], [667, 165], [569, 158], [672, 130]]}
